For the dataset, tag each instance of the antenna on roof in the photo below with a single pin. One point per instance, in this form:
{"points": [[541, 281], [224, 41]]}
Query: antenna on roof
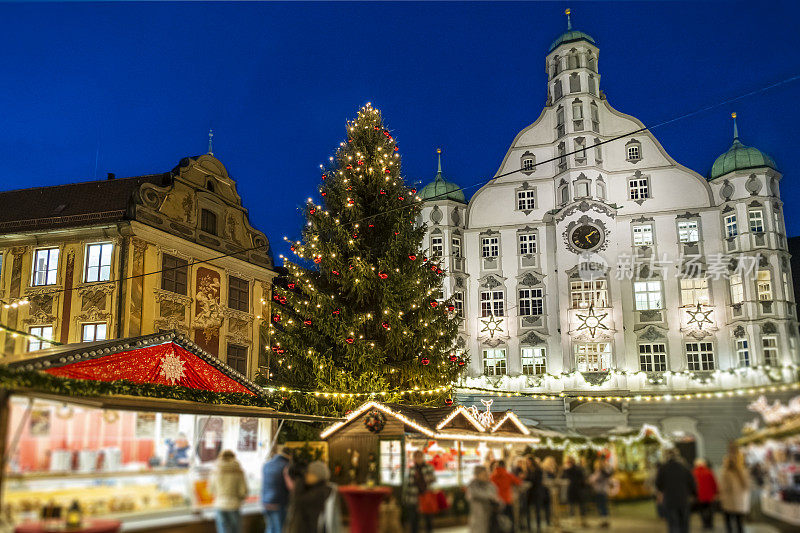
{"points": [[210, 141]]}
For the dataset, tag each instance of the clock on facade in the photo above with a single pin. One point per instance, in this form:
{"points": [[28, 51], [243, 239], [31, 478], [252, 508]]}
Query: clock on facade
{"points": [[586, 236]]}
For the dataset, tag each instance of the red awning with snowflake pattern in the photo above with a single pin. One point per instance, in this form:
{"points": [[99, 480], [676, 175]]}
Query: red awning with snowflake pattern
{"points": [[161, 364]]}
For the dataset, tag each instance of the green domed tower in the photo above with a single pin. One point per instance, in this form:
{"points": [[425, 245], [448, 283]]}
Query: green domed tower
{"points": [[740, 157], [440, 188]]}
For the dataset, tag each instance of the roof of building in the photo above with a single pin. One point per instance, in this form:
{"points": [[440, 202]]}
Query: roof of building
{"points": [[740, 157], [570, 35], [72, 204], [441, 189]]}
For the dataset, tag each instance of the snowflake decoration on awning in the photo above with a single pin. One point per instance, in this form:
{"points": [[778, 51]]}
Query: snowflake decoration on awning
{"points": [[699, 317], [172, 368], [491, 325], [591, 322]]}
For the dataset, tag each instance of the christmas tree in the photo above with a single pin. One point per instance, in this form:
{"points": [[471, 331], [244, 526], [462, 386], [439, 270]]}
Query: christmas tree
{"points": [[360, 310]]}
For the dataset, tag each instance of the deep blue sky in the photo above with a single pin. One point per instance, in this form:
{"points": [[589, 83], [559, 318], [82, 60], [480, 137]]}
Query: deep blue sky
{"points": [[277, 82]]}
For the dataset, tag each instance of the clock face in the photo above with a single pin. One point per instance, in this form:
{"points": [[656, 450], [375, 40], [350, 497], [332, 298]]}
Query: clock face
{"points": [[586, 237]]}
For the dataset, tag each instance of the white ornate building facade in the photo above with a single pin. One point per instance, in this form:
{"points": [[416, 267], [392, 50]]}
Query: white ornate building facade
{"points": [[595, 264]]}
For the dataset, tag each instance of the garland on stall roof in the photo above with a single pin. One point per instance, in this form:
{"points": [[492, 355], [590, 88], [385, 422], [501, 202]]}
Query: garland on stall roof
{"points": [[11, 379]]}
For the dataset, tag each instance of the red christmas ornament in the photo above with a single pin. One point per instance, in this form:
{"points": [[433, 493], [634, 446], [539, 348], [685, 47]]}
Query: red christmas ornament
{"points": [[453, 358], [451, 308], [276, 318], [448, 402], [412, 257], [424, 258], [349, 187], [318, 259], [349, 140], [439, 270], [349, 167], [461, 362], [383, 275], [335, 272], [377, 128], [351, 267], [385, 325], [371, 226], [396, 148], [355, 235], [434, 303], [336, 311], [386, 133], [383, 192], [307, 322], [360, 161], [322, 193], [434, 268], [282, 300], [349, 340], [401, 198], [350, 202], [291, 285], [413, 191], [312, 211], [276, 297], [292, 248], [323, 176], [425, 361], [387, 171], [397, 233]]}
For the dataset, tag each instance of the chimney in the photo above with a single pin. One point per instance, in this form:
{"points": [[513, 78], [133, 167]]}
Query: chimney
{"points": [[110, 176]]}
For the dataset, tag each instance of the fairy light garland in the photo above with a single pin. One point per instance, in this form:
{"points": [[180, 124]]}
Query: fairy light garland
{"points": [[25, 334], [348, 395]]}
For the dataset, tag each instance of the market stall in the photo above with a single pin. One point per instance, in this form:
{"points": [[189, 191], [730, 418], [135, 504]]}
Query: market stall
{"points": [[374, 444], [130, 429], [773, 453]]}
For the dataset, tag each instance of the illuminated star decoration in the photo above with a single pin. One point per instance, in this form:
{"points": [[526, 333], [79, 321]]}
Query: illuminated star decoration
{"points": [[172, 368], [592, 321], [699, 317], [491, 325]]}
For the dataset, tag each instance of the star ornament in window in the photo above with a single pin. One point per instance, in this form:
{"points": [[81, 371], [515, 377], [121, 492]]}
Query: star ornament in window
{"points": [[592, 321], [699, 317], [491, 325], [172, 368]]}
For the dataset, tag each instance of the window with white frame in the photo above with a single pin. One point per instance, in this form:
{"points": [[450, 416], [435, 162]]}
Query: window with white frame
{"points": [[601, 190], [643, 235], [756, 218], [638, 189], [653, 357], [577, 116], [528, 163], [492, 303], [595, 119], [574, 83], [592, 85], [526, 200], [456, 244], [458, 303], [41, 334], [98, 262], [563, 192], [558, 91], [580, 150], [581, 189], [743, 352], [92, 332], [694, 291], [737, 288], [688, 231], [700, 356], [534, 361], [437, 246], [45, 266], [598, 150], [531, 302], [731, 229], [764, 285], [494, 362], [560, 128], [770, 346], [647, 295], [527, 243], [490, 246], [588, 293], [592, 356], [634, 152]]}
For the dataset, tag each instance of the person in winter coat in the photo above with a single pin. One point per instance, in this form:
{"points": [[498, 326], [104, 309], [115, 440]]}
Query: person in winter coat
{"points": [[483, 498], [309, 499], [504, 481], [420, 478], [676, 487], [734, 490], [601, 481], [229, 487], [275, 490], [706, 492], [522, 469], [576, 478]]}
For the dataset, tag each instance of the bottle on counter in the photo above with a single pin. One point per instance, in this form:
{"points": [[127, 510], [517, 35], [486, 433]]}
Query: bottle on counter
{"points": [[74, 518]]}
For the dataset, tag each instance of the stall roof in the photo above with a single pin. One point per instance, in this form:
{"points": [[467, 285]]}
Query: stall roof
{"points": [[159, 362], [787, 428], [457, 423]]}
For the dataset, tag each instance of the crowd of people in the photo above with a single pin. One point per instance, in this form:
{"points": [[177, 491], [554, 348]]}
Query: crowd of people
{"points": [[521, 499], [680, 490]]}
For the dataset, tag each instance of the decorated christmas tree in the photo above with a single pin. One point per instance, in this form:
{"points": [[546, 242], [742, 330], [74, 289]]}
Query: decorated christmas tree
{"points": [[360, 310]]}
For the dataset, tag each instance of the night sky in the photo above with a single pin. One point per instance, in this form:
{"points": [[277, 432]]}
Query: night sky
{"points": [[88, 89]]}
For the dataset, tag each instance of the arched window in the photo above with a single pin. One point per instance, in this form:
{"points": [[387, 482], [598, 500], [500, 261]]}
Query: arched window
{"points": [[558, 92], [601, 188], [598, 150], [580, 152], [562, 157], [633, 150], [572, 59], [556, 65], [582, 186], [560, 127], [528, 162], [574, 83], [592, 85], [210, 185], [563, 194], [595, 117]]}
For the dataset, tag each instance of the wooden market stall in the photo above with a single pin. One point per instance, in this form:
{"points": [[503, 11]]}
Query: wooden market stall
{"points": [[130, 429]]}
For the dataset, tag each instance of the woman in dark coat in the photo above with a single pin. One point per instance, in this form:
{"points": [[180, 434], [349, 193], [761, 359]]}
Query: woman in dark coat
{"points": [[576, 478], [307, 502]]}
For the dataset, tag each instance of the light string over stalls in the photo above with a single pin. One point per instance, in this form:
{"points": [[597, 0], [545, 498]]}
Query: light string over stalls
{"points": [[346, 395]]}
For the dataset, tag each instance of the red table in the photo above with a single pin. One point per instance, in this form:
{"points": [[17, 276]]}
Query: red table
{"points": [[363, 504], [89, 526]]}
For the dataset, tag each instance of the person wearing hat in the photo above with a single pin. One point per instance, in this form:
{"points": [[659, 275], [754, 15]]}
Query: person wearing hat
{"points": [[311, 502]]}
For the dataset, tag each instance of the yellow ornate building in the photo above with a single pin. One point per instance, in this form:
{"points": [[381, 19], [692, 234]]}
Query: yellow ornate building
{"points": [[131, 256]]}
